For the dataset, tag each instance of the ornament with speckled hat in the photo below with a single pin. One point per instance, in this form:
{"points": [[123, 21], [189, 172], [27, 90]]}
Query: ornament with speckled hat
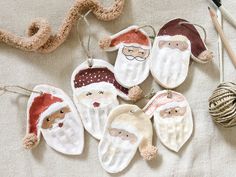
{"points": [[95, 92], [132, 61]]}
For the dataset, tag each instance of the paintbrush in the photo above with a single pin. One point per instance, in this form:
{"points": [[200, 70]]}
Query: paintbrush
{"points": [[225, 12], [222, 35]]}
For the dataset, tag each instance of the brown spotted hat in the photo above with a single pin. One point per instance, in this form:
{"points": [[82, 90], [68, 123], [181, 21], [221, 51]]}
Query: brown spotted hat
{"points": [[101, 72]]}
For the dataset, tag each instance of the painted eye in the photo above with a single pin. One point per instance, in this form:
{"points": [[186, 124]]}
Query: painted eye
{"points": [[100, 92], [176, 111], [89, 93], [127, 135], [48, 119], [130, 50], [169, 43], [177, 44], [62, 111], [141, 53], [119, 132], [169, 112]]}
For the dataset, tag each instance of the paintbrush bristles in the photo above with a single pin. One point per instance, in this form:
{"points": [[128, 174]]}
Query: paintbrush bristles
{"points": [[217, 2]]}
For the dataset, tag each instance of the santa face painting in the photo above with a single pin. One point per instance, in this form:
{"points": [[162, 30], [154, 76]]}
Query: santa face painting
{"points": [[172, 119], [61, 131], [128, 129], [170, 58], [53, 114], [94, 102], [117, 148], [137, 53], [132, 64]]}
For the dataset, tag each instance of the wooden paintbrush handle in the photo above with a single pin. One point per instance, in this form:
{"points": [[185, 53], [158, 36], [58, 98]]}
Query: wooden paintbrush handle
{"points": [[223, 37]]}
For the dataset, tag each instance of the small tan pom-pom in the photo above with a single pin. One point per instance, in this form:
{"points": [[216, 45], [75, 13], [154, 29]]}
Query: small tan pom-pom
{"points": [[135, 93], [30, 141], [149, 153], [105, 42], [206, 56]]}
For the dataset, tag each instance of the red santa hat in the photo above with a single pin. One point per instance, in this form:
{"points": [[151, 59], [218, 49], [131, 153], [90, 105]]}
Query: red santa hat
{"points": [[130, 35], [132, 119], [162, 99], [40, 107], [101, 71], [200, 53]]}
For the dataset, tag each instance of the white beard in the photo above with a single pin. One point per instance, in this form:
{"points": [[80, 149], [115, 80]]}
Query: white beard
{"points": [[114, 153], [65, 139], [169, 66], [128, 71], [174, 131], [94, 119]]}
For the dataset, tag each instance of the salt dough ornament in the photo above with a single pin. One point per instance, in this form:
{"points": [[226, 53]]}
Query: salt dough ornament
{"points": [[172, 118], [53, 114], [132, 61], [128, 128], [95, 92], [176, 42]]}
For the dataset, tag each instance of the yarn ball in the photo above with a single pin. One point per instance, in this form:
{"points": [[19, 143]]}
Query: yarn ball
{"points": [[135, 93], [222, 105], [30, 140]]}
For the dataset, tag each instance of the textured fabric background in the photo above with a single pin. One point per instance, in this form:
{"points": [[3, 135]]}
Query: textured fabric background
{"points": [[210, 151]]}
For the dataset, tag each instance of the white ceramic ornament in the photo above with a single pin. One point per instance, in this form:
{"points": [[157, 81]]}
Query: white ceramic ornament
{"points": [[95, 92], [128, 128], [172, 118], [132, 61], [176, 42], [53, 114]]}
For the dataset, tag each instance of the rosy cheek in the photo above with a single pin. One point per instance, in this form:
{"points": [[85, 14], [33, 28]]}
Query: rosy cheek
{"points": [[161, 44], [106, 95], [184, 46]]}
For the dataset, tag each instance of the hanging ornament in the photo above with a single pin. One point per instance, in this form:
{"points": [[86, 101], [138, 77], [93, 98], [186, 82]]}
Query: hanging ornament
{"points": [[51, 112], [172, 118], [128, 128], [132, 61], [95, 92], [170, 56]]}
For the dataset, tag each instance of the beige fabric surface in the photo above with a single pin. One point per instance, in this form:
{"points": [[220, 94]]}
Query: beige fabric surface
{"points": [[210, 151]]}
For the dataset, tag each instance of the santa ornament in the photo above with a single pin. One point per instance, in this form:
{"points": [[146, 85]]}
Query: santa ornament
{"points": [[176, 42], [53, 114], [128, 128], [172, 118], [132, 61], [95, 92]]}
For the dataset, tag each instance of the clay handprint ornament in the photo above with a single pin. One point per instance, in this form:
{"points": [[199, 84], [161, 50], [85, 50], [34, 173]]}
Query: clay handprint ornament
{"points": [[95, 92], [132, 61], [53, 114], [128, 129], [172, 118], [176, 42]]}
